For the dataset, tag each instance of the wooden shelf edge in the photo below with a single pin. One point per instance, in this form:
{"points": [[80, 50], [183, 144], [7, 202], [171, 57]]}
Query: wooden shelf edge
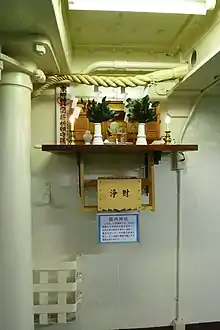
{"points": [[62, 148], [144, 207], [93, 183]]}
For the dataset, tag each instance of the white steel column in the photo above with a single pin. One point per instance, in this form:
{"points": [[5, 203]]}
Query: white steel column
{"points": [[16, 289]]}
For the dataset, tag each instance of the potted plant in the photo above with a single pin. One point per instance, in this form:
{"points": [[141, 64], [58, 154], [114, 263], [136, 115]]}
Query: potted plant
{"points": [[142, 111], [98, 112]]}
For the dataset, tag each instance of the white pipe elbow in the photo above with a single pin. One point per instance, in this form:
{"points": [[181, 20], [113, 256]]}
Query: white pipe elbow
{"points": [[39, 76]]}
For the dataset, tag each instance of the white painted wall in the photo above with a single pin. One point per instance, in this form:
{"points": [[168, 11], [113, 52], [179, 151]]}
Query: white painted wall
{"points": [[129, 286]]}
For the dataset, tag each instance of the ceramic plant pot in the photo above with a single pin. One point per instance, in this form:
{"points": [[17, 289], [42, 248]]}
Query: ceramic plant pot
{"points": [[97, 140], [141, 137]]}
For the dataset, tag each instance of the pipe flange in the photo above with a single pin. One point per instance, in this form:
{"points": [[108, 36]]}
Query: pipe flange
{"points": [[39, 76]]}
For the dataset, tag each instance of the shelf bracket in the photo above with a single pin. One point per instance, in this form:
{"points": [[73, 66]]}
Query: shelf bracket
{"points": [[146, 173], [81, 174], [157, 157]]}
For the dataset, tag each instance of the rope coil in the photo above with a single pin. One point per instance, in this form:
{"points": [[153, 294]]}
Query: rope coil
{"points": [[109, 81]]}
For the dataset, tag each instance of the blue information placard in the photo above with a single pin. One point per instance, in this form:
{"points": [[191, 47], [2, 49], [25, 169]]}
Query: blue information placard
{"points": [[118, 227]]}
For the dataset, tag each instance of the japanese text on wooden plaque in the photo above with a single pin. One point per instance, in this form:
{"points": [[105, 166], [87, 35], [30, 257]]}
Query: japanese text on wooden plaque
{"points": [[119, 194]]}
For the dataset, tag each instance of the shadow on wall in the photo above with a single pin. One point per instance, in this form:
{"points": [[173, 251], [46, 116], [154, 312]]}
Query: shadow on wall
{"points": [[59, 219]]}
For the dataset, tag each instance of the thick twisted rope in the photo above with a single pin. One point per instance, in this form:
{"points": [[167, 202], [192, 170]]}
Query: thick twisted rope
{"points": [[107, 81]]}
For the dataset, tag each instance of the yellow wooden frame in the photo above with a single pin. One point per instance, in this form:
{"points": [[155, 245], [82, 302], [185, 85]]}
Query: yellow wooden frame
{"points": [[145, 182]]}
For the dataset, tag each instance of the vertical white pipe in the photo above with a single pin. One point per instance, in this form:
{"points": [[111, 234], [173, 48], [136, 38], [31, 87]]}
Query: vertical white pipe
{"points": [[178, 242], [16, 292]]}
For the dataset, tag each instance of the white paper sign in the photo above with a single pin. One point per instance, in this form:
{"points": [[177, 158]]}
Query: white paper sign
{"points": [[118, 227], [76, 112]]}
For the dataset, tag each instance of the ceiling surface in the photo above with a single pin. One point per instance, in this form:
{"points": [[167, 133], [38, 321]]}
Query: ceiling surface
{"points": [[208, 74], [159, 33], [63, 32], [21, 24], [168, 33], [156, 31]]}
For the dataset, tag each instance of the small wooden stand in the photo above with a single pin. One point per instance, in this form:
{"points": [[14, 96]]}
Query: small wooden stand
{"points": [[152, 155], [118, 194]]}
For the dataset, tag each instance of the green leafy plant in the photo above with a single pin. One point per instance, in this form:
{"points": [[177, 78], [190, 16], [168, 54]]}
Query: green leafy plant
{"points": [[99, 112], [142, 110]]}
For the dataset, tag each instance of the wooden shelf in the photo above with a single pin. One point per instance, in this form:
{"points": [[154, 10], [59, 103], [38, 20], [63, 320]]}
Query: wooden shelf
{"points": [[80, 148], [152, 155]]}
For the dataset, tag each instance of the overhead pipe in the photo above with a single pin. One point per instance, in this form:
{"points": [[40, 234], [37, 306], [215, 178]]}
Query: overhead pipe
{"points": [[128, 66], [38, 146], [37, 74]]}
